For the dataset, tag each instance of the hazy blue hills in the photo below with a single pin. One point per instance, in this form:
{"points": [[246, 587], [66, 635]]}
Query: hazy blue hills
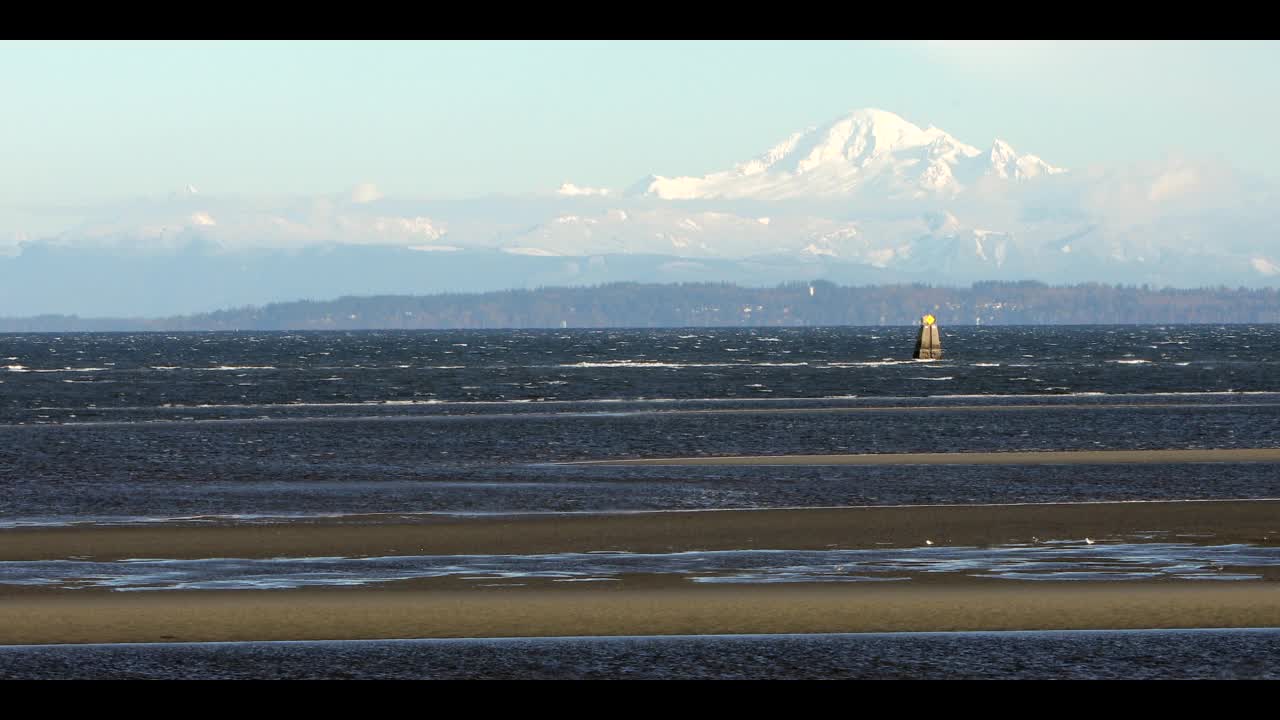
{"points": [[199, 277], [628, 304]]}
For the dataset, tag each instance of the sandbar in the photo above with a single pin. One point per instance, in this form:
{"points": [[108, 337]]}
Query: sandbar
{"points": [[208, 616], [642, 604], [1207, 521]]}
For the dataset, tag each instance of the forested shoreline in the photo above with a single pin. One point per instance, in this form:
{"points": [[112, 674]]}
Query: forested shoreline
{"points": [[718, 305]]}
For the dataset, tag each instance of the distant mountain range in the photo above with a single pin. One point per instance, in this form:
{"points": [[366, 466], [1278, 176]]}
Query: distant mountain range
{"points": [[866, 198], [868, 151]]}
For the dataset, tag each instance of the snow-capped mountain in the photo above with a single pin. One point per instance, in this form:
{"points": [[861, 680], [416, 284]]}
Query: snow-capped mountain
{"points": [[867, 150], [868, 197]]}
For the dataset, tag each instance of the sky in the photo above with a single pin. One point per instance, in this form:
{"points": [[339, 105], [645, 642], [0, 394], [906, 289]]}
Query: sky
{"points": [[87, 124]]}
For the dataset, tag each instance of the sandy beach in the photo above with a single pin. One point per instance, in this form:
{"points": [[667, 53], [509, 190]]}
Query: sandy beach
{"points": [[1223, 521], [662, 604], [102, 617]]}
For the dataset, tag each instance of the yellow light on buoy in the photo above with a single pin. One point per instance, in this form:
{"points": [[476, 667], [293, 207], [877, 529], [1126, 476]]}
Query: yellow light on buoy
{"points": [[928, 345]]}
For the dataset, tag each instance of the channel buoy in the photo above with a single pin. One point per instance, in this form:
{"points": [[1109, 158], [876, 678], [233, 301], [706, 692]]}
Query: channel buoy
{"points": [[928, 345]]}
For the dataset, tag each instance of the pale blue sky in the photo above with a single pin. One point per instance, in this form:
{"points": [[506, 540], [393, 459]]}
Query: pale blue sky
{"points": [[87, 123]]}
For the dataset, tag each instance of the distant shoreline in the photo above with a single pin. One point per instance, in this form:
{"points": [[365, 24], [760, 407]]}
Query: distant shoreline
{"points": [[653, 306]]}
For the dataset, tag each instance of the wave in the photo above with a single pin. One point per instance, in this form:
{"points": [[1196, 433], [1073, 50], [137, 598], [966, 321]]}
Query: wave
{"points": [[642, 364], [873, 363], [24, 368], [640, 406], [417, 515], [644, 400], [1062, 559]]}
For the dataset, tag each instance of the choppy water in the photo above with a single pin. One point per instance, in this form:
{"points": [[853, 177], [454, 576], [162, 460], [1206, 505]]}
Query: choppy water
{"points": [[142, 376], [135, 428], [1055, 560], [1247, 654]]}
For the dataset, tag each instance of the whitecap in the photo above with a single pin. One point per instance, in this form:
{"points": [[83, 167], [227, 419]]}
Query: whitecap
{"points": [[869, 363], [641, 364]]}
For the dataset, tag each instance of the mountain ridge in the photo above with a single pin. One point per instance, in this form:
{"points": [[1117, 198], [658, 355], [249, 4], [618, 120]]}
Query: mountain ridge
{"points": [[864, 148], [865, 196]]}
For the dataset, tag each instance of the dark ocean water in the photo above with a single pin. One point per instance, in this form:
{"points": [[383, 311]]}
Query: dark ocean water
{"points": [[119, 376], [128, 428], [1247, 654], [1057, 560], [120, 426]]}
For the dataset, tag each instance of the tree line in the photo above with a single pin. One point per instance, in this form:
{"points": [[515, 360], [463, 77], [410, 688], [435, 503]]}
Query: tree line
{"points": [[632, 304]]}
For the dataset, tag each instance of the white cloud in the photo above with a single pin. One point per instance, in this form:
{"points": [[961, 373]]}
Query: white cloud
{"points": [[1265, 266], [365, 193], [435, 248], [405, 226], [536, 252], [571, 190], [1172, 183], [237, 223]]}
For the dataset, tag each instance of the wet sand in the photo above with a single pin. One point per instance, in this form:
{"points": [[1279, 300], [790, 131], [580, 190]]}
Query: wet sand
{"points": [[1213, 521], [1039, 457], [100, 617], [642, 605]]}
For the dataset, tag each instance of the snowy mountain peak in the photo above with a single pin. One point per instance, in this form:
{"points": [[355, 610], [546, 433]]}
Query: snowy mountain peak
{"points": [[858, 139], [1002, 151], [861, 150], [1007, 164]]}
